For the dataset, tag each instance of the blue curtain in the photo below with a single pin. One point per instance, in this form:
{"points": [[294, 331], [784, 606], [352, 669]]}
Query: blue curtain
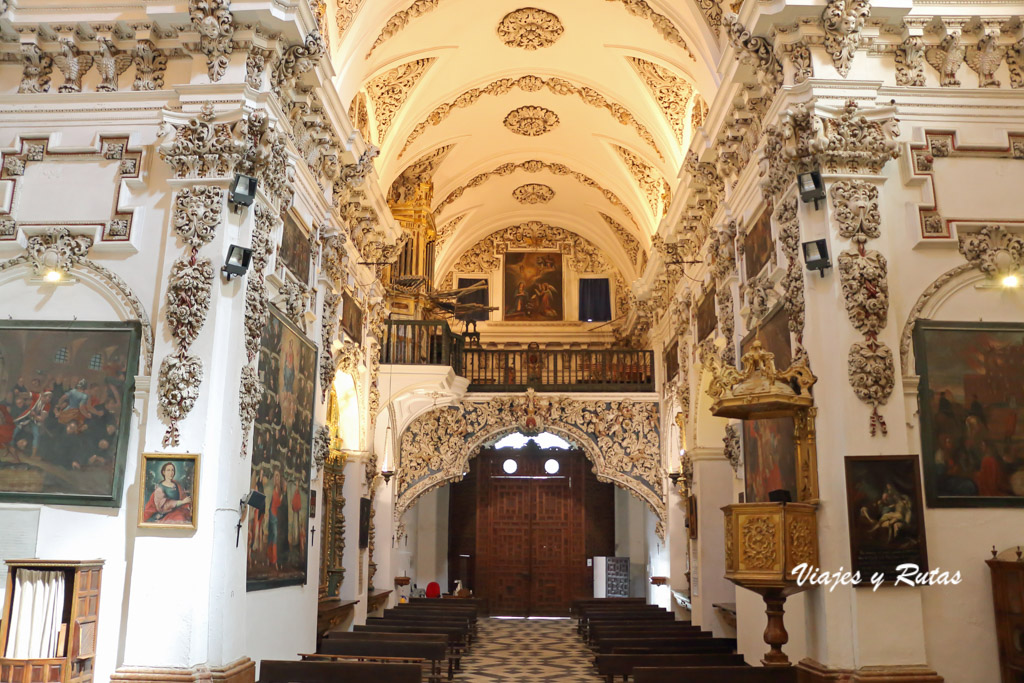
{"points": [[595, 300]]}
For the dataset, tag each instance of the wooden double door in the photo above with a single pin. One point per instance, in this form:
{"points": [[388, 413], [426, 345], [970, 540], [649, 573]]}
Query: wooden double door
{"points": [[533, 533]]}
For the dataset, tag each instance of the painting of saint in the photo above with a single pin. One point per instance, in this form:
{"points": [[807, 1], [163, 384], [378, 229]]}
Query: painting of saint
{"points": [[971, 398], [282, 456], [769, 447], [170, 490], [533, 286], [296, 251], [757, 244], [883, 500], [707, 317], [351, 317], [65, 410]]}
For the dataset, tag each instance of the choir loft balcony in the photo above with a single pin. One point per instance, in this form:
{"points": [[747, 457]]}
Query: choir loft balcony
{"points": [[430, 342]]}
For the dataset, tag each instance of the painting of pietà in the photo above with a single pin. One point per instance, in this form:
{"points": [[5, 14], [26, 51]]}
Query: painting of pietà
{"points": [[65, 410], [533, 285]]}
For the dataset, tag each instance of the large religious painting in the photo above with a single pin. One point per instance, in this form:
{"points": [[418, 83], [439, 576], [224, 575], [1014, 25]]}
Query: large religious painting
{"points": [[769, 446], [281, 456], [296, 253], [533, 285], [757, 244], [707, 317], [883, 501], [65, 410], [971, 398], [351, 317]]}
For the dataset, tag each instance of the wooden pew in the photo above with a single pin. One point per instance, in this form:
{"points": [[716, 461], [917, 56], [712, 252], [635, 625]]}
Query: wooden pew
{"points": [[276, 671], [431, 653], [576, 604], [433, 616], [667, 645], [435, 638], [590, 617], [718, 674], [598, 632], [457, 636], [614, 665]]}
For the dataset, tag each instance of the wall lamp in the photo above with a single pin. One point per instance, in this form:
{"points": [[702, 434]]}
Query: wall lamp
{"points": [[243, 190], [812, 187], [254, 499], [237, 261], [674, 477], [816, 256]]}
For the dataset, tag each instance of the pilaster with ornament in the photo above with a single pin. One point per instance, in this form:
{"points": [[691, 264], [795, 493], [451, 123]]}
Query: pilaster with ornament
{"points": [[214, 22]]}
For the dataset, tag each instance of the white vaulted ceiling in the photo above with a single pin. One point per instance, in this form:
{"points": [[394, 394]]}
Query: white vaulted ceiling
{"points": [[590, 109]]}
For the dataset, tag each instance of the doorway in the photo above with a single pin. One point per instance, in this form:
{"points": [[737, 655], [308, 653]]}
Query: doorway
{"points": [[522, 526]]}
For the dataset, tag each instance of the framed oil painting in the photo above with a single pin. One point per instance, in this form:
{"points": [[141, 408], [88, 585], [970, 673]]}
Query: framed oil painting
{"points": [[533, 285], [671, 359], [296, 253], [169, 483], [65, 410], [758, 244], [769, 446], [971, 399], [883, 502], [282, 454], [707, 316], [351, 317]]}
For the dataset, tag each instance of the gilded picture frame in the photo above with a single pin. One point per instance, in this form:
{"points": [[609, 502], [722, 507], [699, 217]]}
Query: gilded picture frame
{"points": [[169, 498]]}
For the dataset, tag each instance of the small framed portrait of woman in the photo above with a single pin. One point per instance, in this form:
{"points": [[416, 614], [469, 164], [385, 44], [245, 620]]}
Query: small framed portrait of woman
{"points": [[170, 488]]}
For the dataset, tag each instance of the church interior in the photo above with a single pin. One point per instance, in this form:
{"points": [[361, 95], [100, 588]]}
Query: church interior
{"points": [[481, 340]]}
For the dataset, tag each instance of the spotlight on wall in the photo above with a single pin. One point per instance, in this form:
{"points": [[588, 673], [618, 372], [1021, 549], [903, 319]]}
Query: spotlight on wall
{"points": [[237, 261], [255, 500], [816, 256], [1011, 281], [53, 276], [243, 190], [811, 186], [674, 477]]}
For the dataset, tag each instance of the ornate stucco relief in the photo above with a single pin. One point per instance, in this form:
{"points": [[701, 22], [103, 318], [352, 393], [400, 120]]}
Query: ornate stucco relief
{"points": [[533, 193], [652, 183], [390, 90], [626, 238], [670, 91], [530, 28], [843, 21], [531, 121]]}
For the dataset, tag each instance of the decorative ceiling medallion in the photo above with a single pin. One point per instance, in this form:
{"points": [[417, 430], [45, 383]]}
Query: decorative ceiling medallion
{"points": [[531, 121], [530, 28], [533, 193]]}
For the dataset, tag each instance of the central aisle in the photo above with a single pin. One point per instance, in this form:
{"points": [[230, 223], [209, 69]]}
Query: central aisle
{"points": [[535, 650]]}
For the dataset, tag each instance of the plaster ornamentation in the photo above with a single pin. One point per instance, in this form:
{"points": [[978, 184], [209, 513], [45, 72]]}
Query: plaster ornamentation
{"points": [[250, 393], [197, 214], [266, 156], [866, 290], [993, 250], [111, 63], [732, 448], [332, 259], [532, 84], [531, 121], [712, 13], [533, 193], [800, 57], [352, 176], [761, 296], [401, 19], [188, 299], [625, 237], [447, 230], [345, 13], [293, 298], [530, 28], [213, 20], [150, 64], [660, 22], [984, 59], [855, 204], [73, 64], [670, 91], [699, 112], [946, 58], [203, 149], [36, 69], [727, 323], [348, 358], [321, 447], [296, 60], [328, 329], [389, 91], [787, 218], [758, 548], [843, 21], [906, 337], [756, 52], [256, 312], [1015, 63], [531, 166], [177, 391], [620, 437], [408, 187], [256, 63], [872, 376], [723, 251], [57, 250], [910, 62], [650, 180]]}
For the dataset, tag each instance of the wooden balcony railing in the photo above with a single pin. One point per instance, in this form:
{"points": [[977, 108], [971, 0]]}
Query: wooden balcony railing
{"points": [[422, 342], [560, 370]]}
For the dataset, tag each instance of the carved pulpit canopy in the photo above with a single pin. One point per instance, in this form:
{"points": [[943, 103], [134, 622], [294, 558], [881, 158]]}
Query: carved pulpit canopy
{"points": [[760, 390]]}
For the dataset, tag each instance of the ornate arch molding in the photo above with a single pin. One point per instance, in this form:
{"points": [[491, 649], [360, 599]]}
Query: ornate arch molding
{"points": [[107, 283], [930, 301], [621, 438]]}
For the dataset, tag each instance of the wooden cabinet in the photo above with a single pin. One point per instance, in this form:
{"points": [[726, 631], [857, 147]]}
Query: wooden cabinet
{"points": [[1008, 596], [76, 650]]}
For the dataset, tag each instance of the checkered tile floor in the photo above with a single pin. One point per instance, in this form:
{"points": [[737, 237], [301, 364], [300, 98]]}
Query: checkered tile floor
{"points": [[528, 650]]}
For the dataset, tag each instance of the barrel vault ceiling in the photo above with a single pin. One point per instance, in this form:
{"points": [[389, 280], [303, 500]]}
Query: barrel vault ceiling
{"points": [[576, 113]]}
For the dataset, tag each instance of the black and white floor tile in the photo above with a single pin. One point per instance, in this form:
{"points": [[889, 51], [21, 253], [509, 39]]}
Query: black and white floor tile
{"points": [[528, 650]]}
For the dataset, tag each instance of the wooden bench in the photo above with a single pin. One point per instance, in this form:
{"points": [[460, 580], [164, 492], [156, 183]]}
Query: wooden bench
{"points": [[276, 671], [591, 617], [433, 654], [434, 638], [457, 636], [596, 633], [718, 674], [432, 616], [614, 665], [668, 645]]}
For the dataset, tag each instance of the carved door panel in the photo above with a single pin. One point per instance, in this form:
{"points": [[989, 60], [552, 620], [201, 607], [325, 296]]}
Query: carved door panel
{"points": [[503, 545], [558, 545]]}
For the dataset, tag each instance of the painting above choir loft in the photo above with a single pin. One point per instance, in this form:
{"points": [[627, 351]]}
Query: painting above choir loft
{"points": [[533, 286], [282, 456], [972, 407], [65, 409]]}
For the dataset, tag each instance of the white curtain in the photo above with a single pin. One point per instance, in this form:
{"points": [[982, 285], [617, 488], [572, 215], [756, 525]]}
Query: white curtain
{"points": [[36, 611]]}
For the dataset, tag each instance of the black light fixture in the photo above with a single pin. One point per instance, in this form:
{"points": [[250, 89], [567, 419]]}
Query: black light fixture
{"points": [[387, 474], [811, 186], [816, 256], [237, 261], [255, 500], [243, 190], [674, 477]]}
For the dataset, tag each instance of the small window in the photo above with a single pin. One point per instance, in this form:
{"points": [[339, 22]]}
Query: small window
{"points": [[595, 300], [551, 466], [61, 356], [510, 466], [96, 362]]}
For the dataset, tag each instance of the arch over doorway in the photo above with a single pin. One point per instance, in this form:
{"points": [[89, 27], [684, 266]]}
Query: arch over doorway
{"points": [[620, 437]]}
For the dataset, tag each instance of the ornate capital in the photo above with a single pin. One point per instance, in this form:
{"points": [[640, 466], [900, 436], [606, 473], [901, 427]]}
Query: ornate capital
{"points": [[58, 250]]}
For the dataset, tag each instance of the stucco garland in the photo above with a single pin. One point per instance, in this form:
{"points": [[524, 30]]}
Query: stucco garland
{"points": [[621, 439]]}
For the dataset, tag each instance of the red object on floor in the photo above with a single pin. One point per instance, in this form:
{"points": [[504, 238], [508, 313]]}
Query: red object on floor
{"points": [[433, 589]]}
